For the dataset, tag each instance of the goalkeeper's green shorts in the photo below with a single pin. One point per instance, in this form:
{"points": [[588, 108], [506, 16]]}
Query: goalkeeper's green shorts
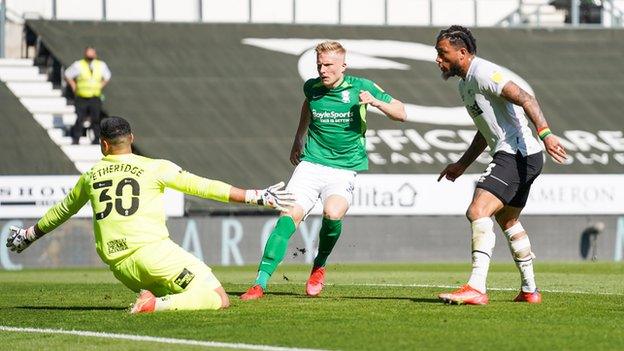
{"points": [[163, 268]]}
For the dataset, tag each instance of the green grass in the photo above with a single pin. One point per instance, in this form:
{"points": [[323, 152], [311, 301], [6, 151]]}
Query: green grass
{"points": [[584, 310]]}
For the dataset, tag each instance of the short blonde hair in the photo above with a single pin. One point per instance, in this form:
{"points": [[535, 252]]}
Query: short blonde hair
{"points": [[329, 46]]}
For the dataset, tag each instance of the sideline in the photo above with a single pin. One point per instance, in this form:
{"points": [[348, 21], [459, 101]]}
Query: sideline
{"points": [[152, 339]]}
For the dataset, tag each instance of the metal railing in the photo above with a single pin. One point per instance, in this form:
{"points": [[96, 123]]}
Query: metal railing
{"points": [[520, 18], [429, 7], [616, 15], [2, 26]]}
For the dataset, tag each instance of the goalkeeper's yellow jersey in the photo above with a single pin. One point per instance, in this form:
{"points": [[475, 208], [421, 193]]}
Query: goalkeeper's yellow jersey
{"points": [[126, 194]]}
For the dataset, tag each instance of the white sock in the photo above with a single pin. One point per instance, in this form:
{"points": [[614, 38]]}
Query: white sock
{"points": [[523, 257], [527, 275], [483, 240], [163, 303]]}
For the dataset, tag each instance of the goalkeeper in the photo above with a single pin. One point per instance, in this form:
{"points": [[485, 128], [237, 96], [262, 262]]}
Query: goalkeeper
{"points": [[126, 194]]}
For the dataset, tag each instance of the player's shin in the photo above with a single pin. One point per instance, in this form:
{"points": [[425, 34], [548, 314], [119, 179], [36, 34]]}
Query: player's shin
{"points": [[483, 240], [520, 248], [328, 236], [275, 249]]}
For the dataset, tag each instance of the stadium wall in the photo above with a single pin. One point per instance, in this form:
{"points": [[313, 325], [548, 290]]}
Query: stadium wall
{"points": [[238, 240], [222, 100]]}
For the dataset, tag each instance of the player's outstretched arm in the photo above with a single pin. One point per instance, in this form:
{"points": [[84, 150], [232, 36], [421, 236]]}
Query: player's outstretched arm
{"points": [[395, 110], [191, 184], [19, 239], [455, 170], [516, 95], [302, 130]]}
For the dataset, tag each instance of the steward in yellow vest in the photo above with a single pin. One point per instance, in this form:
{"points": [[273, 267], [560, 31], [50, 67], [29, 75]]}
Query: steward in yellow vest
{"points": [[89, 81], [86, 78]]}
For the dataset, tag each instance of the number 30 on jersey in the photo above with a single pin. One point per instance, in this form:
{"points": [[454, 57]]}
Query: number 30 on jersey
{"points": [[105, 198]]}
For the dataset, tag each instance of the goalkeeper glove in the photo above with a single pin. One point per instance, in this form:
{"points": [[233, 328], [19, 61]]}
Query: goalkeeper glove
{"points": [[19, 239], [272, 197]]}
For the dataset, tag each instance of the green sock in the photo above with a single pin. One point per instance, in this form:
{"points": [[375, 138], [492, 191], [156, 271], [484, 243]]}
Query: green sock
{"points": [[328, 236], [275, 249]]}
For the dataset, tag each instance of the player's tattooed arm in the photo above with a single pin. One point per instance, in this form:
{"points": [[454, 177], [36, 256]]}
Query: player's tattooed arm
{"points": [[516, 95]]}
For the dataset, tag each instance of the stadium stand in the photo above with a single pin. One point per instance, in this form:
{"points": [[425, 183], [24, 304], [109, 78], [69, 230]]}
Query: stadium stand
{"points": [[221, 107], [25, 147]]}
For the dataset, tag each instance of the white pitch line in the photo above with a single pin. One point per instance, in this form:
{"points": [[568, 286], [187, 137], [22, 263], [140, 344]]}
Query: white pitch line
{"points": [[455, 286], [153, 339]]}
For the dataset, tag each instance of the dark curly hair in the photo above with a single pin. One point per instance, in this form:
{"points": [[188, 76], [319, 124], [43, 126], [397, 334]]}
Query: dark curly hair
{"points": [[114, 127], [459, 36]]}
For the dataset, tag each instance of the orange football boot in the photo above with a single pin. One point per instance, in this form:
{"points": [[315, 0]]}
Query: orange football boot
{"points": [[530, 297], [315, 283], [145, 303], [254, 293], [465, 295]]}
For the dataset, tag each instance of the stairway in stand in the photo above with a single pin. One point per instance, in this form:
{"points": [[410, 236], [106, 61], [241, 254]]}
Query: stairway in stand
{"points": [[49, 108]]}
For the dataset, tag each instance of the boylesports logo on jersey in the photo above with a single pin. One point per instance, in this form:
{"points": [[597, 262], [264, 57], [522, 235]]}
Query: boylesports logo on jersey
{"points": [[331, 114], [346, 97]]}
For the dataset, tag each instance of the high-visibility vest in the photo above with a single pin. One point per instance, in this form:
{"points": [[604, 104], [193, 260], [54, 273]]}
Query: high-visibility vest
{"points": [[89, 83]]}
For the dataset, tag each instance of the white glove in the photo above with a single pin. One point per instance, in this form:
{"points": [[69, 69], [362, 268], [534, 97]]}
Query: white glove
{"points": [[19, 239], [272, 197]]}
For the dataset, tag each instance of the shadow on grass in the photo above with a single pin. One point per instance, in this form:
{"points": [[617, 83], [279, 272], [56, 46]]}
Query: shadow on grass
{"points": [[73, 308], [413, 299], [304, 296], [268, 293]]}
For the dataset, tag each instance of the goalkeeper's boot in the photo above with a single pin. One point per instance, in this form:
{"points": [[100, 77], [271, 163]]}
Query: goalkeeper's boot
{"points": [[254, 293], [315, 283], [146, 303], [465, 295], [530, 297]]}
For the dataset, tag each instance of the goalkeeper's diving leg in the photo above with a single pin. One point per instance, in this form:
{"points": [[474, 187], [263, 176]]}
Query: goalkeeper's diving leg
{"points": [[199, 295], [169, 278]]}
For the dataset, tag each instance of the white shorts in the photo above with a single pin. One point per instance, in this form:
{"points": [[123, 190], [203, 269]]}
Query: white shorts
{"points": [[311, 181]]}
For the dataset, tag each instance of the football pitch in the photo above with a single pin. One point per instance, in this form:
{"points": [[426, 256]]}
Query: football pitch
{"points": [[363, 307]]}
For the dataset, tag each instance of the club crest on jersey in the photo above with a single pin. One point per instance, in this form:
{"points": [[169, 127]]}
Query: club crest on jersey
{"points": [[346, 97]]}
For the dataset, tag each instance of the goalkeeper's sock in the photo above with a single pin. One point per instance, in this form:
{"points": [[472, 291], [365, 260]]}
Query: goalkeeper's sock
{"points": [[328, 236], [200, 295], [275, 249]]}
